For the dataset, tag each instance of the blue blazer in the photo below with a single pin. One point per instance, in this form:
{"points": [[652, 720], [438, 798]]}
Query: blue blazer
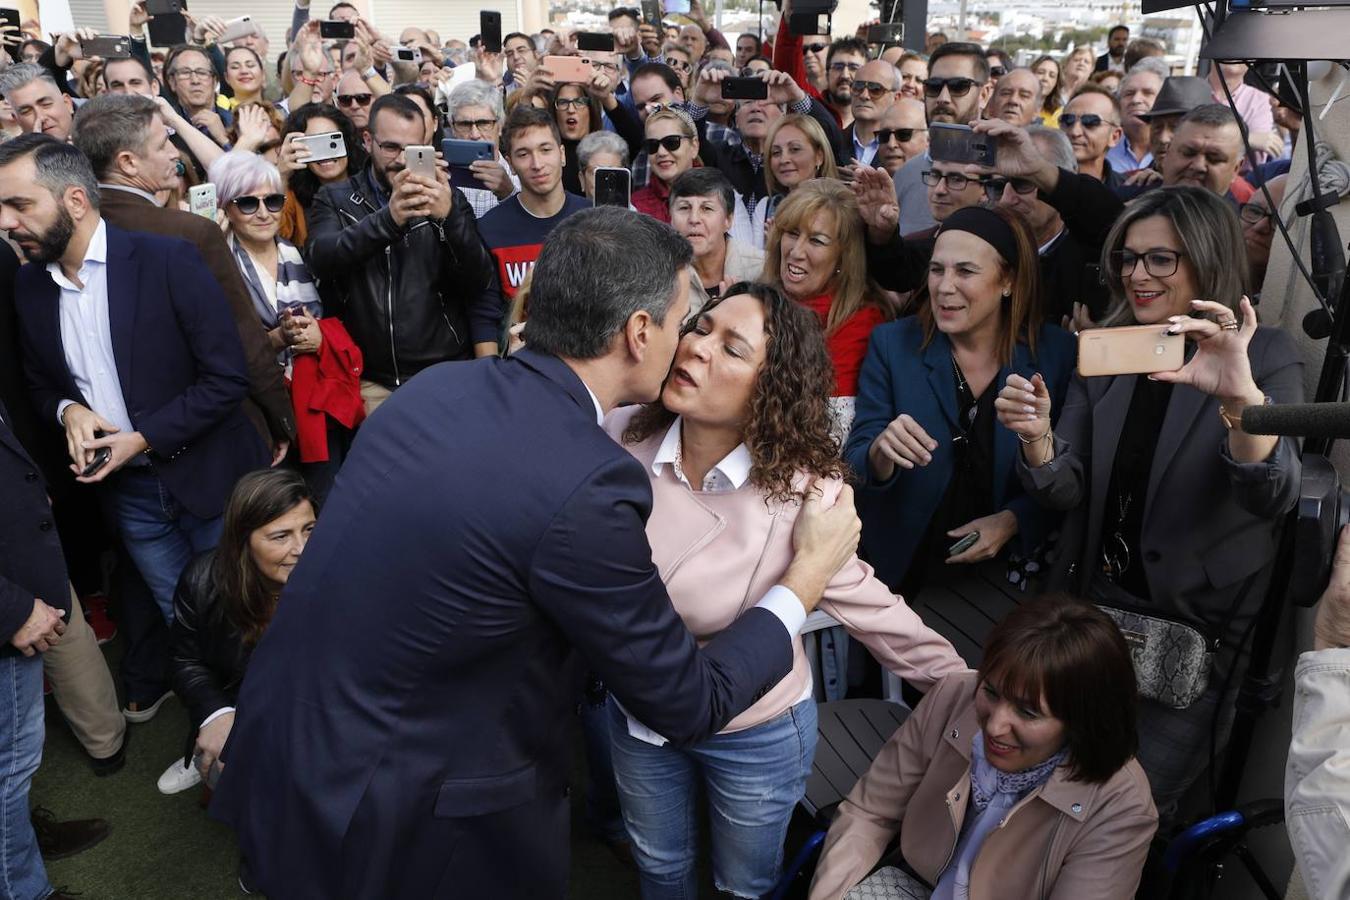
{"points": [[404, 727], [179, 361], [900, 375]]}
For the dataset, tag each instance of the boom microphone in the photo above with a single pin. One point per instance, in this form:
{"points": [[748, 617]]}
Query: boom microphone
{"points": [[1314, 420]]}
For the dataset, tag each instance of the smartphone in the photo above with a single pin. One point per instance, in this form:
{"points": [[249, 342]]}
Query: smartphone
{"points": [[745, 89], [771, 206], [1129, 350], [959, 144], [237, 28], [10, 17], [420, 159], [967, 541], [408, 55], [490, 31], [202, 200], [336, 29], [651, 12], [163, 7], [569, 68], [613, 186], [101, 457], [462, 153], [808, 24], [592, 41], [167, 30], [106, 46], [324, 146], [893, 33], [463, 176]]}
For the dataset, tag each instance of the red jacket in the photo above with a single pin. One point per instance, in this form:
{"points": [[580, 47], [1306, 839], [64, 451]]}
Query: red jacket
{"points": [[848, 345], [326, 384]]}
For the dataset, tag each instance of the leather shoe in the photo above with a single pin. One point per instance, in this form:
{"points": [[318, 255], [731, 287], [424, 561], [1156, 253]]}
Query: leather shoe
{"points": [[57, 840], [110, 765]]}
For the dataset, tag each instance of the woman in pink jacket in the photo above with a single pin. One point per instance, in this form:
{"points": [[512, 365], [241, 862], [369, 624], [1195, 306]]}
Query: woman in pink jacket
{"points": [[741, 431]]}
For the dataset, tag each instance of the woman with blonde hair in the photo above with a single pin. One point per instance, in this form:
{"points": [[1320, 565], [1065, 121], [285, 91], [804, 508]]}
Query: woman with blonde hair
{"points": [[795, 150], [672, 150]]}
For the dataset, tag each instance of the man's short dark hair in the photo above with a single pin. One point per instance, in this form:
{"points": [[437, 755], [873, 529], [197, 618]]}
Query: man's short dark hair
{"points": [[1091, 88], [759, 45], [598, 268], [517, 34], [111, 123], [336, 6], [1112, 33], [58, 165], [1214, 115], [145, 68], [401, 106], [660, 70], [704, 181], [845, 45], [524, 117], [620, 12], [963, 48], [1001, 55]]}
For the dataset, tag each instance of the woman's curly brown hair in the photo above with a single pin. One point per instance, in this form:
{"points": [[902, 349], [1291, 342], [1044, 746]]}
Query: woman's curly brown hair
{"points": [[787, 429]]}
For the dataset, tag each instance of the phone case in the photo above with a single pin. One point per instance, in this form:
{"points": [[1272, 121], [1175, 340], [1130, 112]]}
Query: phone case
{"points": [[1129, 350], [651, 12], [463, 153], [420, 160], [337, 29], [408, 55], [959, 144], [595, 41], [569, 68], [202, 200], [325, 146], [167, 30], [490, 30], [163, 7], [613, 186], [106, 47], [886, 34], [237, 28], [745, 89]]}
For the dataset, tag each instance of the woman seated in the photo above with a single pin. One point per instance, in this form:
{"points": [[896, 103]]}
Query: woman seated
{"points": [[798, 151], [934, 464], [1014, 781], [303, 179], [224, 602], [740, 433], [702, 203], [1172, 507], [672, 150], [249, 192], [816, 255]]}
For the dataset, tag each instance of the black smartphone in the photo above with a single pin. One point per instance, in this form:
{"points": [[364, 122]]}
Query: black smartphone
{"points": [[167, 30], [490, 30], [959, 144], [106, 46], [894, 33], [651, 12], [10, 17], [745, 89], [967, 541], [101, 457], [337, 30], [613, 185], [593, 41], [163, 7], [808, 23]]}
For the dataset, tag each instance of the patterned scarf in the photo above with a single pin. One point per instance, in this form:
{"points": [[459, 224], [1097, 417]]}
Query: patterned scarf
{"points": [[295, 286], [987, 781]]}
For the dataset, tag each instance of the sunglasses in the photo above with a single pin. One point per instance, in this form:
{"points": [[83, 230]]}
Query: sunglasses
{"points": [[249, 205], [671, 142], [354, 99], [997, 71], [872, 88], [955, 180], [957, 87], [901, 134], [813, 48], [1088, 120], [993, 187], [679, 65]]}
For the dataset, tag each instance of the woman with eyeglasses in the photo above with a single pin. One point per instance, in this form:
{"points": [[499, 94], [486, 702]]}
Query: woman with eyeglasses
{"points": [[932, 462], [303, 178], [1047, 71], [581, 109], [1171, 507], [244, 76], [672, 149]]}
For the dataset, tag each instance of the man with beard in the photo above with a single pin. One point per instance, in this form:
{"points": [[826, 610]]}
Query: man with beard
{"points": [[903, 135], [1114, 57], [401, 260], [128, 345], [956, 91], [846, 58]]}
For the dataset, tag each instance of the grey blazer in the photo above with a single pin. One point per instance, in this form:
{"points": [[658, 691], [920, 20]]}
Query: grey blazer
{"points": [[1209, 522]]}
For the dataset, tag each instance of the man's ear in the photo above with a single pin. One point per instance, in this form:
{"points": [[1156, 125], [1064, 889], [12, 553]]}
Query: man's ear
{"points": [[637, 333]]}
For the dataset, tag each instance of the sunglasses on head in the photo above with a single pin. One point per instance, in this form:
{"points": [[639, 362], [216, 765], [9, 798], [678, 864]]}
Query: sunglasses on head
{"points": [[813, 48], [872, 88], [957, 87], [1088, 120], [249, 205], [901, 134], [671, 142], [354, 99]]}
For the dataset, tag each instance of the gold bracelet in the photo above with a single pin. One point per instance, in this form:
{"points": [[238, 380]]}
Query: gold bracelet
{"points": [[1035, 440]]}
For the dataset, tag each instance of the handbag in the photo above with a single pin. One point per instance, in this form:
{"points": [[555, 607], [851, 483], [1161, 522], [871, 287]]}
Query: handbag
{"points": [[889, 883]]}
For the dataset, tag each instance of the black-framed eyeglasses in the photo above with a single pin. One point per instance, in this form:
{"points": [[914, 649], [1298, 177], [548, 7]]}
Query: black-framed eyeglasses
{"points": [[902, 135], [1159, 262], [872, 88], [1088, 120], [957, 87], [466, 125], [1255, 213], [566, 103], [607, 66], [993, 187], [813, 48], [354, 99], [249, 205], [671, 142], [955, 180]]}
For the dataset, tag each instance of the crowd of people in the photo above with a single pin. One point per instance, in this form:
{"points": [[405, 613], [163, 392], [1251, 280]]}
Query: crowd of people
{"points": [[385, 588]]}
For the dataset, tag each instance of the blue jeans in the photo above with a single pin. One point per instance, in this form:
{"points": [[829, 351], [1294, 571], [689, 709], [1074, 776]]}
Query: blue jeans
{"points": [[22, 876], [158, 533], [753, 779]]}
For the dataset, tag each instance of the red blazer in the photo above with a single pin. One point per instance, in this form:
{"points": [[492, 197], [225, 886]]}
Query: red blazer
{"points": [[324, 384]]}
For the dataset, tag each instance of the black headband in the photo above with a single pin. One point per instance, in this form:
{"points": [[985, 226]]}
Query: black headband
{"points": [[989, 227]]}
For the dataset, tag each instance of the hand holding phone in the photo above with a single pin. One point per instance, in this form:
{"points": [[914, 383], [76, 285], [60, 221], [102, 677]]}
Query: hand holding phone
{"points": [[337, 30], [965, 543], [1130, 350], [101, 457], [960, 144]]}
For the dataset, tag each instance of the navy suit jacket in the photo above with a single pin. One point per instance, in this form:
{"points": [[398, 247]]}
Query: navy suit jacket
{"points": [[900, 375], [404, 727], [179, 361]]}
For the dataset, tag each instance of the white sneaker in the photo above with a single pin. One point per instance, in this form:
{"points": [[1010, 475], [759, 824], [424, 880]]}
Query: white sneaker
{"points": [[179, 777]]}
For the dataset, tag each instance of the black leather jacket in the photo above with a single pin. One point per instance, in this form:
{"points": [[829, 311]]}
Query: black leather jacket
{"points": [[409, 296], [208, 657]]}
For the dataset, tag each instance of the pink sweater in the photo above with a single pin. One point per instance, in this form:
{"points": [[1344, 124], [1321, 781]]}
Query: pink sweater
{"points": [[719, 553]]}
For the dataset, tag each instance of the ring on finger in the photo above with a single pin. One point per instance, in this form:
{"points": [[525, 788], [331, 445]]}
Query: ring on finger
{"points": [[1230, 325]]}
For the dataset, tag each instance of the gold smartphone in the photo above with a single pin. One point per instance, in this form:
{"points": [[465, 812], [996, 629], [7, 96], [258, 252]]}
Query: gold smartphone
{"points": [[1130, 350]]}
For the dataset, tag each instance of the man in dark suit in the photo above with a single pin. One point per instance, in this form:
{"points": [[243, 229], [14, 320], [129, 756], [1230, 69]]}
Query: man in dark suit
{"points": [[1114, 57], [128, 335], [404, 726], [126, 141]]}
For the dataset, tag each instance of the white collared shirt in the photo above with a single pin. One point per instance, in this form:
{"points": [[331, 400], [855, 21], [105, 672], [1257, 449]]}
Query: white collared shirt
{"points": [[728, 475], [86, 334]]}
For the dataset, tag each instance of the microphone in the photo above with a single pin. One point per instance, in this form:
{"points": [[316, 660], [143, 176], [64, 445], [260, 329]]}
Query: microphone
{"points": [[1314, 420]]}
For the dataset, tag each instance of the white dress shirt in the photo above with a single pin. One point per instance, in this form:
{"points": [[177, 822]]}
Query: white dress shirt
{"points": [[86, 334]]}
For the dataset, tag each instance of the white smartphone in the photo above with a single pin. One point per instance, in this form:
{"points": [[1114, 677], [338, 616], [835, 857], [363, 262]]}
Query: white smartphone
{"points": [[237, 28], [420, 160], [324, 146], [202, 200]]}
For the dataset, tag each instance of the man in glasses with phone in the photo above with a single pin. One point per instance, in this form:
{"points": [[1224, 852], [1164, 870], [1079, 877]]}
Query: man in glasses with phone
{"points": [[875, 90]]}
